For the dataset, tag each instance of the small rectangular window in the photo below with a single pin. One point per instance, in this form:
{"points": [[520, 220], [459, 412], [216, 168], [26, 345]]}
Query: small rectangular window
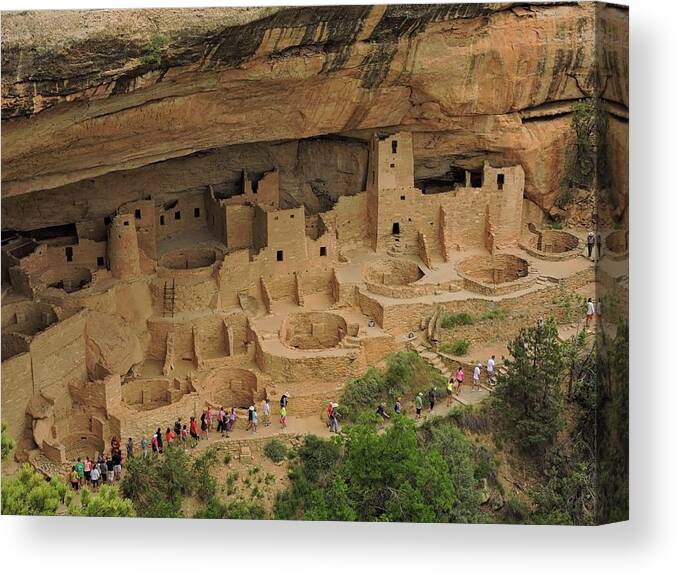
{"points": [[500, 181], [107, 220], [196, 212], [323, 251], [402, 197], [279, 255], [137, 214], [69, 254], [125, 223], [291, 216], [162, 220], [177, 215], [100, 261], [393, 165], [394, 146]]}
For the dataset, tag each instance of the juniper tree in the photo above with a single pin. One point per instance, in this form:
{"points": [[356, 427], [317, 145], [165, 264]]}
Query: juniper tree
{"points": [[528, 398]]}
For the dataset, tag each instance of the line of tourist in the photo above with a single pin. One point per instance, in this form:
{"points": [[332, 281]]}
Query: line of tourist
{"points": [[101, 469]]}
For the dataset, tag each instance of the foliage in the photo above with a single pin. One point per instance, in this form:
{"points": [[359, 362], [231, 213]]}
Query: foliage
{"points": [[456, 347], [528, 400], [392, 476], [495, 312], [205, 484], [612, 426], [474, 418], [217, 509], [227, 458], [568, 495], [157, 485], [275, 450], [451, 320], [7, 442], [29, 493], [154, 50], [406, 374], [106, 502], [586, 164]]}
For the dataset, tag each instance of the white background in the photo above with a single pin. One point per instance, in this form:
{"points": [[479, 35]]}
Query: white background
{"points": [[647, 544]]}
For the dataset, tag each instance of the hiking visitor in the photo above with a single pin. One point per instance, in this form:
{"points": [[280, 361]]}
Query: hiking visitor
{"points": [[169, 437], [449, 388], [177, 427], [398, 407], [158, 435], [255, 417], [476, 377], [194, 432], [95, 474], [460, 379], [250, 411], [599, 245], [590, 310], [80, 469], [418, 404], [144, 447], [221, 420], [109, 470], [330, 409], [231, 419], [431, 399], [74, 478], [283, 417], [381, 411], [590, 242], [116, 460], [130, 448], [490, 371], [334, 422], [266, 409], [88, 469], [184, 435], [154, 444], [204, 432]]}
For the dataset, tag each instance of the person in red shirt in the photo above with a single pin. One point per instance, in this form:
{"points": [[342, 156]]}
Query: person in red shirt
{"points": [[193, 428]]}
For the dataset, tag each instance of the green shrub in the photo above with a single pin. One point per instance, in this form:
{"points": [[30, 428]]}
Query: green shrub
{"points": [[227, 458], [7, 442], [29, 493], [456, 319], [495, 312], [456, 347], [216, 509], [275, 450], [154, 50], [205, 484]]}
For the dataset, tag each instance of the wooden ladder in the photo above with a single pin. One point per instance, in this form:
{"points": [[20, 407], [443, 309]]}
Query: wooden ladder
{"points": [[169, 294]]}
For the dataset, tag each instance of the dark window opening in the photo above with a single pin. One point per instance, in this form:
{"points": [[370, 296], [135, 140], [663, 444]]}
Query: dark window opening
{"points": [[196, 212], [137, 214], [291, 216], [100, 261], [393, 165], [402, 197], [500, 181], [396, 228], [177, 215], [162, 220], [107, 220], [69, 254], [323, 251], [255, 187], [125, 223], [394, 146], [64, 231], [476, 178], [279, 255]]}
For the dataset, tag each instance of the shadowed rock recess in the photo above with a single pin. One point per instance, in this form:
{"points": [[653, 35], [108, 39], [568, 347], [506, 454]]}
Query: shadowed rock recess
{"points": [[108, 106]]}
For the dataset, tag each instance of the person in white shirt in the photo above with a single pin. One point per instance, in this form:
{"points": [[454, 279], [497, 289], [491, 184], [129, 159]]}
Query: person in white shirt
{"points": [[476, 377], [490, 371], [267, 413], [590, 310]]}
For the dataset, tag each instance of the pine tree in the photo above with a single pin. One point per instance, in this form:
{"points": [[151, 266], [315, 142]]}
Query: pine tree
{"points": [[528, 398]]}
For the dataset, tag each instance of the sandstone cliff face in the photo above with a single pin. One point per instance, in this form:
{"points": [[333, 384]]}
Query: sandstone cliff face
{"points": [[109, 104]]}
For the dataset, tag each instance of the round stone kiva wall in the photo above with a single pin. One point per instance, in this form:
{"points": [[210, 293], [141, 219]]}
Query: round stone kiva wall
{"points": [[189, 259], [313, 330], [231, 387], [69, 279], [393, 272], [82, 445], [497, 269]]}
